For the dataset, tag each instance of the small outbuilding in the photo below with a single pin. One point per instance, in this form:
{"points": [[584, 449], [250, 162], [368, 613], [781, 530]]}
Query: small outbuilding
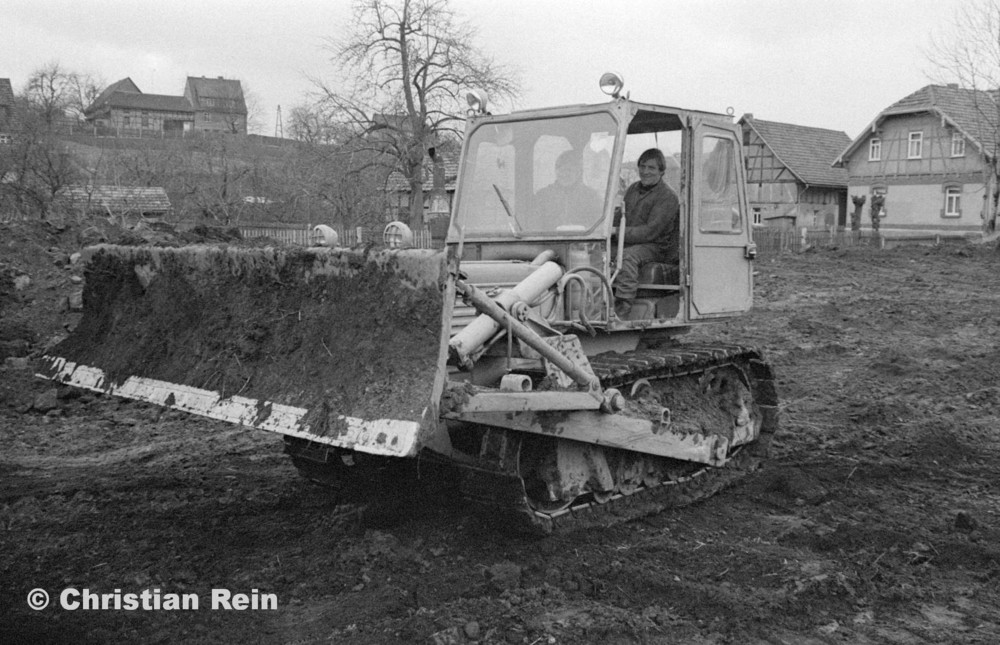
{"points": [[129, 203]]}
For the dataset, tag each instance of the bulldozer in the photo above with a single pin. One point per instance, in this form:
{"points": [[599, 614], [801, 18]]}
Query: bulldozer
{"points": [[498, 358]]}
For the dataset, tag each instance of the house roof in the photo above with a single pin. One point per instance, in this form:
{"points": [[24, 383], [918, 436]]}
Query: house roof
{"points": [[807, 152], [117, 199], [974, 113], [397, 183], [160, 102], [6, 93], [125, 94], [124, 85], [201, 88], [7, 114]]}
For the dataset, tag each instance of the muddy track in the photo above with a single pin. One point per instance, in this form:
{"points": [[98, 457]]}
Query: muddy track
{"points": [[497, 486]]}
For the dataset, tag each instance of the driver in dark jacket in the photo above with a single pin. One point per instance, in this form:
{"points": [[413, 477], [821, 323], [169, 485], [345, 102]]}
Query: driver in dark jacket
{"points": [[651, 227]]}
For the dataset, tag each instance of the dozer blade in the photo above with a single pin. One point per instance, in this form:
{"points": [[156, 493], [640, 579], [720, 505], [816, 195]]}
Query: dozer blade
{"points": [[343, 347]]}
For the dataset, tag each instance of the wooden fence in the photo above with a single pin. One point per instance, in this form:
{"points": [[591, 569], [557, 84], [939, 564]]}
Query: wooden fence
{"points": [[773, 241], [301, 234]]}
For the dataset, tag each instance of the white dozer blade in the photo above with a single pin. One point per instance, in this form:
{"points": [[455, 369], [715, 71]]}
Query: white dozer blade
{"points": [[339, 346]]}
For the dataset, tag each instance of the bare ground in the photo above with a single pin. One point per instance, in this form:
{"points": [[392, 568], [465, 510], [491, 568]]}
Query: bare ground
{"points": [[876, 521]]}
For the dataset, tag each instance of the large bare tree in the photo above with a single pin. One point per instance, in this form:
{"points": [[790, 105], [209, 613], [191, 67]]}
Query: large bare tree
{"points": [[967, 52], [54, 91], [404, 68]]}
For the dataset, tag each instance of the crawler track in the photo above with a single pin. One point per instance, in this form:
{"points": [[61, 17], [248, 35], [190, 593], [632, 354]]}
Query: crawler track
{"points": [[496, 484]]}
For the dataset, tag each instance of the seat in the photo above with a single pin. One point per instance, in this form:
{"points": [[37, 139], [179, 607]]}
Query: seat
{"points": [[659, 276]]}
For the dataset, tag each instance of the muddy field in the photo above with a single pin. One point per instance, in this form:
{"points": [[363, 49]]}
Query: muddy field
{"points": [[875, 522]]}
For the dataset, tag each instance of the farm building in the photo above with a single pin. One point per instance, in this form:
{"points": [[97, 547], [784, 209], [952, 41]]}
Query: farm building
{"points": [[208, 105], [6, 111], [790, 180], [440, 180], [930, 156], [128, 203], [218, 104]]}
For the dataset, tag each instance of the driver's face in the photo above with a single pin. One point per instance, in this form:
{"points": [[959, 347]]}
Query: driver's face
{"points": [[650, 173]]}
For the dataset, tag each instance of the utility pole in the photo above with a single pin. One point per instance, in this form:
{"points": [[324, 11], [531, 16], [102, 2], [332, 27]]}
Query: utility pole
{"points": [[279, 128]]}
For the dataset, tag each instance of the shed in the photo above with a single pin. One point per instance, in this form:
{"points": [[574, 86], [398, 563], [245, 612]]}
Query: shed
{"points": [[119, 201]]}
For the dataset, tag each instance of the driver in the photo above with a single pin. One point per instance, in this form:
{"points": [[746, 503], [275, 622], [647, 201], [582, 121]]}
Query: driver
{"points": [[651, 217], [568, 200]]}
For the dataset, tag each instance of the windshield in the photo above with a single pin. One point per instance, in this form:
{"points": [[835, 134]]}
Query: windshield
{"points": [[537, 177]]}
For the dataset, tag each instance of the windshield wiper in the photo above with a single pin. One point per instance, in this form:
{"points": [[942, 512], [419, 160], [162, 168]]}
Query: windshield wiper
{"points": [[515, 226]]}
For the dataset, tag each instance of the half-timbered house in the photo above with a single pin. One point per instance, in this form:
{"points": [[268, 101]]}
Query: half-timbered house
{"points": [[931, 156], [208, 105], [790, 180]]}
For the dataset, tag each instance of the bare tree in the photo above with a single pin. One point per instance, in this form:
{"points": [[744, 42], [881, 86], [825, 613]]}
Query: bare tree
{"points": [[404, 67], [310, 124], [35, 165], [52, 91], [255, 117], [967, 52]]}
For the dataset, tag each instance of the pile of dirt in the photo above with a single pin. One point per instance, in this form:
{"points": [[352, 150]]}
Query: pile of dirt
{"points": [[41, 271]]}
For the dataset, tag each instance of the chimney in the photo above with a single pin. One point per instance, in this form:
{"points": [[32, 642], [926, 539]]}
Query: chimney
{"points": [[953, 86], [438, 167]]}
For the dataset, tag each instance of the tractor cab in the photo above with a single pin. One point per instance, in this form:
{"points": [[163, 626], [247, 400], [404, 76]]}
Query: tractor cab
{"points": [[541, 185]]}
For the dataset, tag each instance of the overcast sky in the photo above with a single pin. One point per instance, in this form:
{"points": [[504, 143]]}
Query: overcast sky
{"points": [[831, 64]]}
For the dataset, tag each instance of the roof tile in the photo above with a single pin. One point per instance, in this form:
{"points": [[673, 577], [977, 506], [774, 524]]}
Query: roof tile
{"points": [[117, 199], [806, 151]]}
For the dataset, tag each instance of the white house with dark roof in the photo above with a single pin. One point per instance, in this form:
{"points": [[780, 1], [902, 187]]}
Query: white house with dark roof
{"points": [[931, 156], [790, 179]]}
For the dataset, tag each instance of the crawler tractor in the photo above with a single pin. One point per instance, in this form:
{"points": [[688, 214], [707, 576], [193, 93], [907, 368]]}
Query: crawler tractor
{"points": [[500, 356]]}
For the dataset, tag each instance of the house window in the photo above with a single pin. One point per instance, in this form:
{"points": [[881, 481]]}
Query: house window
{"points": [[4, 138], [957, 144], [757, 220], [952, 201], [126, 121], [875, 150], [916, 147]]}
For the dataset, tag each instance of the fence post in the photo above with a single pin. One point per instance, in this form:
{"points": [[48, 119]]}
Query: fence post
{"points": [[802, 240]]}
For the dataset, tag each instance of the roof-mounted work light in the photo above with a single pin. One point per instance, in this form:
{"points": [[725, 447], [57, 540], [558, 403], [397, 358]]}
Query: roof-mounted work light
{"points": [[612, 84], [477, 102]]}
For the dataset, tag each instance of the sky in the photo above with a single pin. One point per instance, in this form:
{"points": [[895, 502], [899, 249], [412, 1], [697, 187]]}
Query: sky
{"points": [[823, 63]]}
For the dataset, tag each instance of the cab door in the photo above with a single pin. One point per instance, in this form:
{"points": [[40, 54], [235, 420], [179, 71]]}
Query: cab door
{"points": [[721, 248]]}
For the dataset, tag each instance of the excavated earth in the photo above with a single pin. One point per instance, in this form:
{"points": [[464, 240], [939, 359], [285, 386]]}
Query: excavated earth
{"points": [[875, 522]]}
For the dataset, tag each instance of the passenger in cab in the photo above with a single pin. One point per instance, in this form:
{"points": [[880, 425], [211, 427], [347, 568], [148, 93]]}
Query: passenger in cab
{"points": [[651, 227], [568, 200]]}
